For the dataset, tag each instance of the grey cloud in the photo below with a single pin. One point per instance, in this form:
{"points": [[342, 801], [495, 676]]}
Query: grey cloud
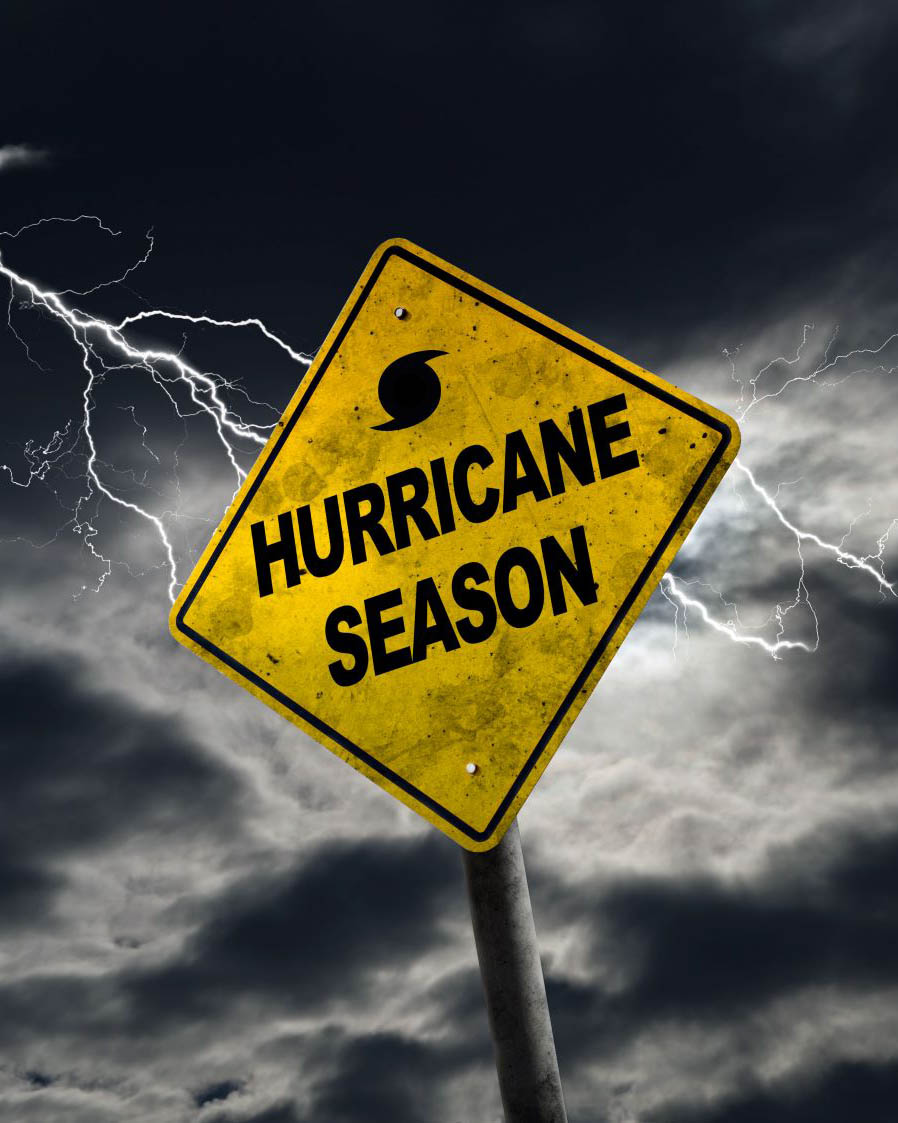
{"points": [[353, 917], [300, 942], [305, 939], [708, 952], [382, 1076], [82, 770], [21, 156], [842, 1091]]}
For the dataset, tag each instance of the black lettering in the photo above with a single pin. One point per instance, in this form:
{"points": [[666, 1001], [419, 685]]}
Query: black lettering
{"points": [[315, 563], [517, 452], [358, 525], [380, 630], [605, 435], [348, 643], [442, 495], [404, 508], [475, 600], [486, 508], [577, 571], [428, 600], [267, 553], [576, 455], [519, 558]]}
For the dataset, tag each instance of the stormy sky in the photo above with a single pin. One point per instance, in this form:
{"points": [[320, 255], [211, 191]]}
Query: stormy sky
{"points": [[206, 918]]}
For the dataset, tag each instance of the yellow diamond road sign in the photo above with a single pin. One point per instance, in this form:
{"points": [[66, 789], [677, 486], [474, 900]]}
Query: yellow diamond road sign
{"points": [[457, 520]]}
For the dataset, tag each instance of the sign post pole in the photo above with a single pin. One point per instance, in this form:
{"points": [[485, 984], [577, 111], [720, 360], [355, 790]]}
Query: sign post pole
{"points": [[512, 975]]}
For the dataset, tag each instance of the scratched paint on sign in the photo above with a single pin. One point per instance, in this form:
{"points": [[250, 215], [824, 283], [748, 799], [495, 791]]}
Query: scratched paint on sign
{"points": [[454, 525]]}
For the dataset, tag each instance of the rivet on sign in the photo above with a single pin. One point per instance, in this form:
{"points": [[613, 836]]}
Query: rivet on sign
{"points": [[400, 313], [471, 768]]}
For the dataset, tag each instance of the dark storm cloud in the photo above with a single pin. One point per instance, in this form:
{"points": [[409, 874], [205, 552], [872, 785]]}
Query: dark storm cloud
{"points": [[312, 939], [82, 770], [457, 1000], [703, 951], [625, 165], [378, 1079], [854, 680], [652, 174], [39, 1079], [297, 943], [214, 1093], [314, 936], [59, 1007], [858, 653], [25, 891], [382, 1076], [848, 1090]]}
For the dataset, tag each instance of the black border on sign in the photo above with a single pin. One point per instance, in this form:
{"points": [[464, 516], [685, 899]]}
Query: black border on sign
{"points": [[570, 345]]}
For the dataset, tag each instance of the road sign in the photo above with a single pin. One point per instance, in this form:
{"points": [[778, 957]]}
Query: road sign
{"points": [[457, 520]]}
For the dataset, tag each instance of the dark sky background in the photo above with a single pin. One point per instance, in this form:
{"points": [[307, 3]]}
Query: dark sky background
{"points": [[204, 918]]}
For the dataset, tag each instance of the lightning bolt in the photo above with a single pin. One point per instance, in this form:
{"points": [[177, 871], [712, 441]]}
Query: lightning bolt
{"points": [[166, 369], [827, 364], [210, 396], [751, 395]]}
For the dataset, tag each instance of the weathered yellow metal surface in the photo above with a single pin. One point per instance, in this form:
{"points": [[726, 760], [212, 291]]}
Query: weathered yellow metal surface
{"points": [[434, 559]]}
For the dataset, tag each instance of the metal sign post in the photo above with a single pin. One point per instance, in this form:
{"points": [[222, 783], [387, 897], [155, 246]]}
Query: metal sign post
{"points": [[513, 981], [458, 518]]}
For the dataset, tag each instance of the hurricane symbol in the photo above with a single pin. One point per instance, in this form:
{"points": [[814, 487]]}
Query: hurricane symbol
{"points": [[409, 390]]}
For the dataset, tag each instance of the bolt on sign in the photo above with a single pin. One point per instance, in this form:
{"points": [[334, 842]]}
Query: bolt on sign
{"points": [[459, 517]]}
